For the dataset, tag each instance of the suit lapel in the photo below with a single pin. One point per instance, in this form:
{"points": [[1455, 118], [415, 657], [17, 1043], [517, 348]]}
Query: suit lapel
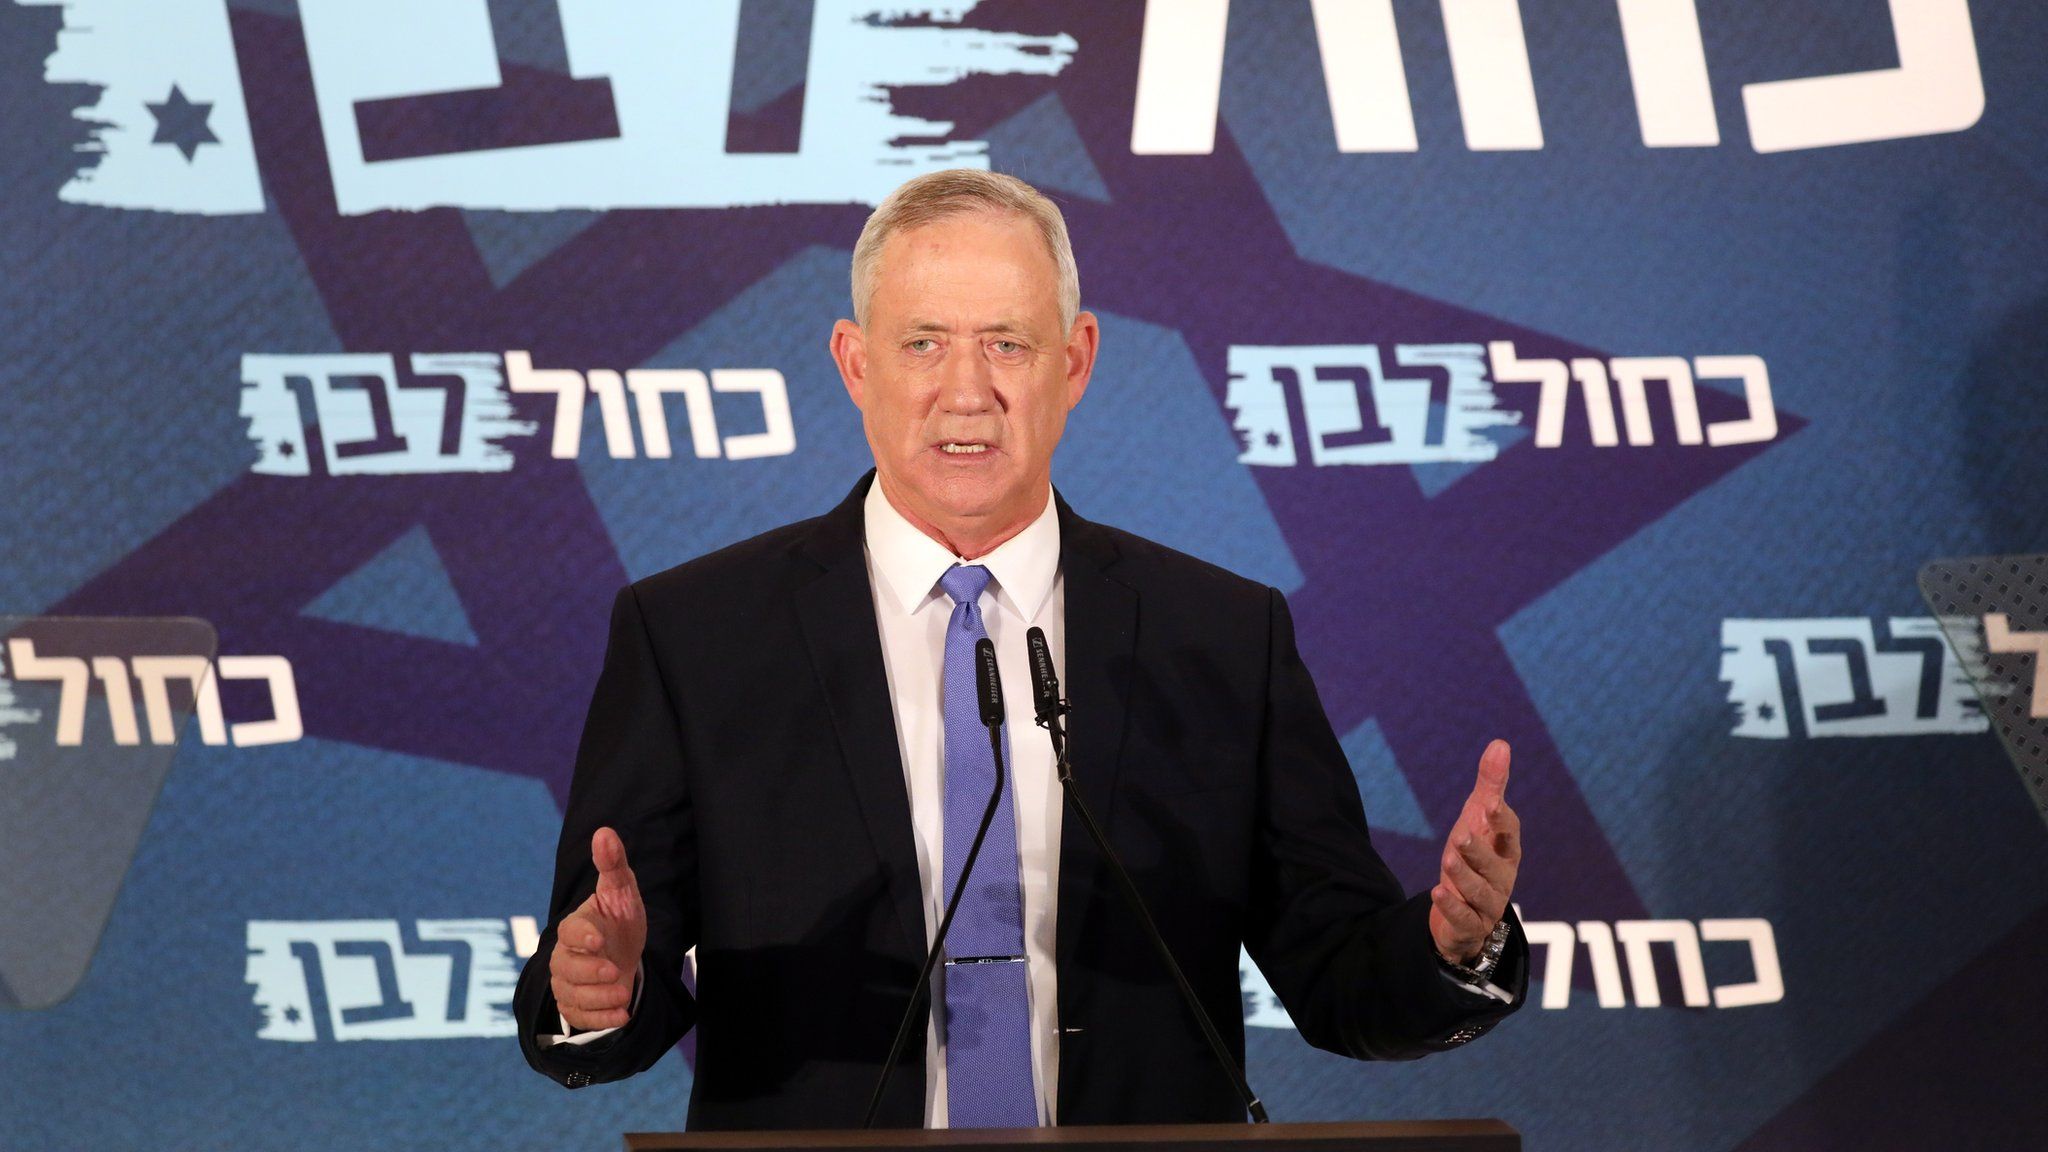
{"points": [[1101, 634], [837, 614]]}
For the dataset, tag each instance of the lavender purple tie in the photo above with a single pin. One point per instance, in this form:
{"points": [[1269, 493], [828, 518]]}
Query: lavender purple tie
{"points": [[988, 1009]]}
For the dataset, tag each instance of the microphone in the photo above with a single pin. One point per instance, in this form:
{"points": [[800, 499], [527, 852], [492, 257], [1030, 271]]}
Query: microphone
{"points": [[988, 692], [1045, 686], [988, 683], [1045, 696]]}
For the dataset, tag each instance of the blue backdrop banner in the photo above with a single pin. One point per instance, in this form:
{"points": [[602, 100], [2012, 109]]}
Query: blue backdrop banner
{"points": [[1595, 374]]}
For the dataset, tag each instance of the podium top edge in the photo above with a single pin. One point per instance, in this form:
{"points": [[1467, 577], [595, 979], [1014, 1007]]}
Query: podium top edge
{"points": [[1478, 1135]]}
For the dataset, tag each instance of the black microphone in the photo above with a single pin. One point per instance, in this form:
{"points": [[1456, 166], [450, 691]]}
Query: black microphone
{"points": [[1045, 695], [1045, 685], [988, 691], [988, 682]]}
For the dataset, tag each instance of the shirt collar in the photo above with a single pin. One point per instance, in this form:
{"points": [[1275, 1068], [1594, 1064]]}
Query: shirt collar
{"points": [[909, 563]]}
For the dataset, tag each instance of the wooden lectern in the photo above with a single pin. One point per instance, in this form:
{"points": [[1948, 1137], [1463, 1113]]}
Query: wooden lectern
{"points": [[1370, 1136]]}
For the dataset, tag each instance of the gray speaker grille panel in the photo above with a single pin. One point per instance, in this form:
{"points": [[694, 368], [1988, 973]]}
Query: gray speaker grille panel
{"points": [[1962, 593]]}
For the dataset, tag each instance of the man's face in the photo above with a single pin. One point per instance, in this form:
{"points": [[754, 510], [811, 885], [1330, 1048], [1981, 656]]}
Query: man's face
{"points": [[963, 374]]}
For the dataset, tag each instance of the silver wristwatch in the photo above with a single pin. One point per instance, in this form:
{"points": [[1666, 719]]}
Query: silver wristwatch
{"points": [[1481, 970]]}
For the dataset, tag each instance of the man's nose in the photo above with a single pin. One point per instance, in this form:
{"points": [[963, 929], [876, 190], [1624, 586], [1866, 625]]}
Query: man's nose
{"points": [[967, 382]]}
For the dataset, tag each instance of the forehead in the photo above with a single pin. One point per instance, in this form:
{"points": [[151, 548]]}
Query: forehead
{"points": [[972, 260]]}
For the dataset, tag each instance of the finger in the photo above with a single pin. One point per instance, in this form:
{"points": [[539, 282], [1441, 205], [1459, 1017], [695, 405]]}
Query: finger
{"points": [[608, 852], [592, 1021], [592, 997], [579, 934], [1480, 855], [1447, 882], [1462, 919], [1504, 833], [1493, 773], [578, 968], [1484, 897]]}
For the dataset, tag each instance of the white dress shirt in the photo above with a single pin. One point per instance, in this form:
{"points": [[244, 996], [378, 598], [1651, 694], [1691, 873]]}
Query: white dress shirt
{"points": [[904, 566]]}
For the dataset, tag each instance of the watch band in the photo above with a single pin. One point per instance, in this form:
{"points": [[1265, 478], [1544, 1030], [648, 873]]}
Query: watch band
{"points": [[1481, 970]]}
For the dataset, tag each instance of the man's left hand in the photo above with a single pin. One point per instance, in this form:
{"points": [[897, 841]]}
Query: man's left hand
{"points": [[1479, 864]]}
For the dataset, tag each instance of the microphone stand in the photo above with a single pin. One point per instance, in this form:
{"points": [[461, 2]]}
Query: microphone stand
{"points": [[990, 692], [1050, 707]]}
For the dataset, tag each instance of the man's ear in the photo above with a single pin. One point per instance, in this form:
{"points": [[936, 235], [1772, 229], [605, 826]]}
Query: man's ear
{"points": [[1084, 339], [850, 352]]}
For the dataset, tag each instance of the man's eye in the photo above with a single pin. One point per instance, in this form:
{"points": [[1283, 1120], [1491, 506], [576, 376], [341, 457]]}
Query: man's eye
{"points": [[1009, 347], [922, 344]]}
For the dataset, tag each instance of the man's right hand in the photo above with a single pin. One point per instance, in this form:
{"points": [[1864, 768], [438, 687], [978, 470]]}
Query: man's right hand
{"points": [[597, 947]]}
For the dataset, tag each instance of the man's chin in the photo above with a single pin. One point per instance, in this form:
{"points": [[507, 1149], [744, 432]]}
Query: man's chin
{"points": [[967, 499]]}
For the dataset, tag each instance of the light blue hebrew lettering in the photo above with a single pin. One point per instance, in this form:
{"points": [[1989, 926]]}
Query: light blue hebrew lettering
{"points": [[670, 70], [1342, 400], [380, 980], [346, 414]]}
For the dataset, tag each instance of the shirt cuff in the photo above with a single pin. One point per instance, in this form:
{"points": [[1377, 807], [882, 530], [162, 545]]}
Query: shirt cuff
{"points": [[569, 1035], [1482, 987]]}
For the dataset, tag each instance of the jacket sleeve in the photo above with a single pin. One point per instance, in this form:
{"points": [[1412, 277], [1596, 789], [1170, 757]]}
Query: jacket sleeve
{"points": [[1348, 953], [629, 775]]}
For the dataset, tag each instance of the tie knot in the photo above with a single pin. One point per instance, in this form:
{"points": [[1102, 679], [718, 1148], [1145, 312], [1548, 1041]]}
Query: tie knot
{"points": [[964, 582]]}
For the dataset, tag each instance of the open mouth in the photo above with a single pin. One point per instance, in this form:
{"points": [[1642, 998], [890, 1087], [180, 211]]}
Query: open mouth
{"points": [[962, 447]]}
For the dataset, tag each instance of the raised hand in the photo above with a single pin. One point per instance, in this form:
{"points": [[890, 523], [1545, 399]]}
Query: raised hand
{"points": [[1480, 859], [597, 947]]}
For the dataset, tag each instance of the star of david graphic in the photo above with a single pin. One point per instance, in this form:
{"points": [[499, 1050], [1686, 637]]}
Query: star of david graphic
{"points": [[181, 123], [1403, 595]]}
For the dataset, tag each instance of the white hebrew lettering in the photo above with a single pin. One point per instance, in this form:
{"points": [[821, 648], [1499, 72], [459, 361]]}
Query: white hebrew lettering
{"points": [[525, 936], [1599, 941], [155, 674], [1636, 936], [1632, 373], [1362, 68], [648, 385], [1667, 64], [1762, 422], [1937, 87], [1490, 66], [1550, 402], [113, 676], [1180, 75], [1558, 939], [567, 385], [1559, 944], [2001, 636], [1769, 985], [778, 438], [285, 724], [611, 407], [1592, 377], [69, 672]]}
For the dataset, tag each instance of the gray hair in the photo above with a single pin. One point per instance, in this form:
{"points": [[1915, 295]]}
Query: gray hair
{"points": [[938, 196]]}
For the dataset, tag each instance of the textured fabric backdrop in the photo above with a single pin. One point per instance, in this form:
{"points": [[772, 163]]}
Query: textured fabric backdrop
{"points": [[1579, 379]]}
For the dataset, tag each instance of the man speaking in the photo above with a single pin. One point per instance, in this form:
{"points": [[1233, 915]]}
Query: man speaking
{"points": [[783, 767]]}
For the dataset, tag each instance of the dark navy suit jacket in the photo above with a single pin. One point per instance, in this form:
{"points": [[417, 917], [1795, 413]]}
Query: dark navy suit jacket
{"points": [[742, 741]]}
